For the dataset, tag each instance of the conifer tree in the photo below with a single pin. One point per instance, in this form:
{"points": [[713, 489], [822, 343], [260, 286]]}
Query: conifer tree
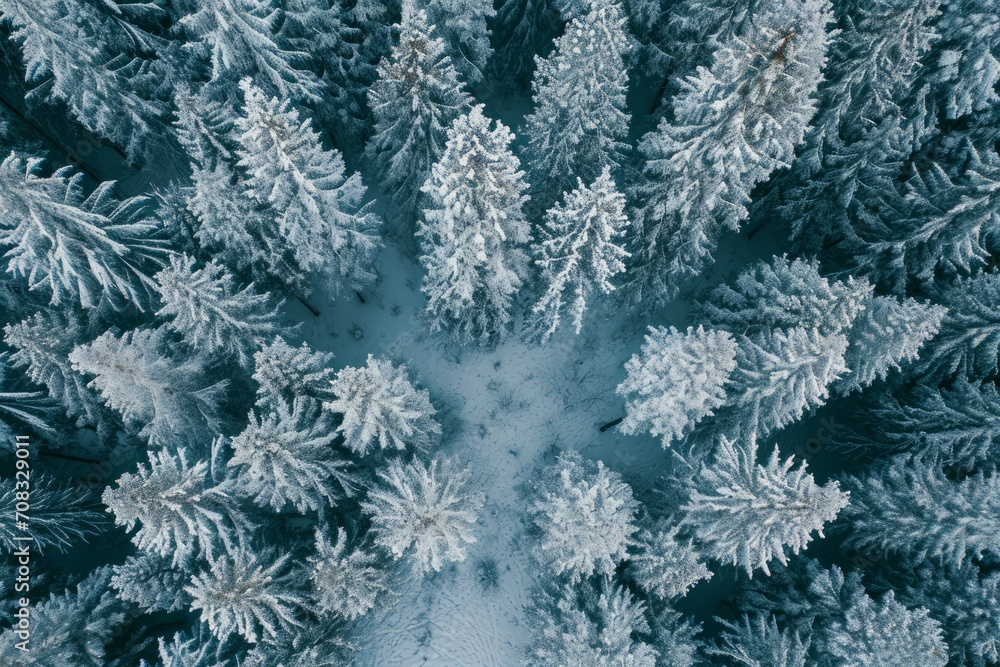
{"points": [[60, 516], [578, 252], [966, 69], [733, 125], [205, 308], [148, 580], [416, 98], [180, 511], [166, 397], [666, 565], [379, 408], [21, 405], [585, 514], [182, 651], [429, 508], [968, 341], [345, 584], [748, 514], [93, 251], [579, 118], [676, 380], [758, 641], [463, 25], [284, 374], [473, 231], [522, 28]]}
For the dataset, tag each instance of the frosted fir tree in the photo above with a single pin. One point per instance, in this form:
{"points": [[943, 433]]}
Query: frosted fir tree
{"points": [[313, 646], [473, 232], [416, 98], [211, 314], [427, 511], [204, 127], [94, 63], [886, 633], [179, 509], [783, 294], [81, 623], [968, 341], [320, 213], [60, 516], [585, 626], [165, 397], [42, 344], [464, 27], [782, 375], [148, 580], [345, 584], [966, 70], [884, 515], [585, 515], [240, 38], [284, 373], [734, 124], [92, 251], [757, 641], [888, 334], [252, 594], [288, 458], [521, 29], [579, 252], [748, 514], [381, 410], [579, 120], [184, 651], [22, 405], [676, 638], [666, 565], [676, 380]]}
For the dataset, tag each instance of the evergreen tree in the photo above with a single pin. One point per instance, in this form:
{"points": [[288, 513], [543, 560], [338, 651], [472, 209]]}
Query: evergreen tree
{"points": [[287, 458], [578, 252], [585, 515], [167, 397], [757, 641], [417, 96], [747, 513], [472, 232], [429, 508], [522, 28], [93, 251], [909, 506], [733, 126], [205, 308], [29, 408], [240, 38], [462, 25], [180, 511], [579, 118], [665, 565], [320, 213], [676, 380], [284, 373], [250, 593], [966, 70], [380, 408], [59, 516], [182, 651], [148, 580], [345, 584], [968, 341]]}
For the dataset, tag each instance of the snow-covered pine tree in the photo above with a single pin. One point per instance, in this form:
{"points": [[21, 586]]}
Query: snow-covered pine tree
{"points": [[251, 593], [888, 333], [284, 373], [463, 25], [666, 565], [733, 125], [240, 38], [179, 509], [61, 516], [968, 341], [212, 316], [890, 510], [94, 250], [184, 651], [676, 380], [288, 458], [346, 584], [473, 231], [522, 28], [429, 508], [98, 65], [167, 397], [966, 69], [757, 641], [21, 405], [579, 119], [148, 580], [42, 344], [80, 625], [581, 625], [381, 410], [321, 216], [585, 515], [579, 253], [748, 514], [417, 96], [676, 638]]}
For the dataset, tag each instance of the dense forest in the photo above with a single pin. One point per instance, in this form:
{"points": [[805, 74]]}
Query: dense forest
{"points": [[584, 333]]}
